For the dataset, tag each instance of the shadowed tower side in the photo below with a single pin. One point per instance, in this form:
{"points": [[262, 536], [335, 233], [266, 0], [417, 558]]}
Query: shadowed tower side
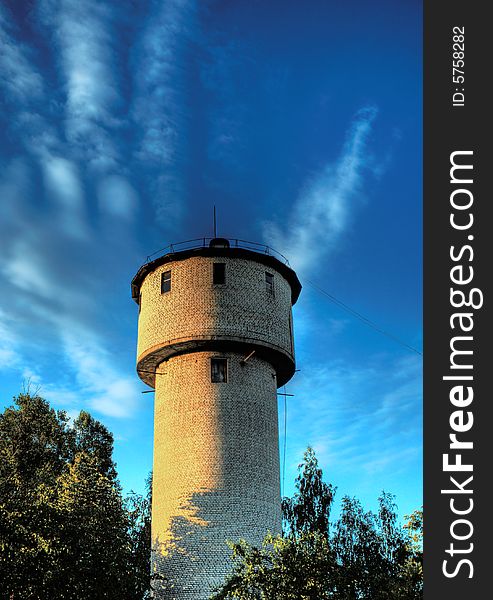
{"points": [[216, 341]]}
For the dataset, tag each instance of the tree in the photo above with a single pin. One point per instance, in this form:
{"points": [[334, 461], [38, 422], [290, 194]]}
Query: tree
{"points": [[92, 438], [93, 560], [65, 531], [34, 448], [361, 556], [308, 511], [411, 575], [138, 509], [370, 548], [300, 568]]}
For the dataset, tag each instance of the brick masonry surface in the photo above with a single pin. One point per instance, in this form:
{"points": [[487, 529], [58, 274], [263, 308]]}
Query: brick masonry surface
{"points": [[216, 467], [195, 308], [216, 454]]}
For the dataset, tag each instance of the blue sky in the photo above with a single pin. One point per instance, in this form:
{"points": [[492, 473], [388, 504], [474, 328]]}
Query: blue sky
{"points": [[125, 122]]}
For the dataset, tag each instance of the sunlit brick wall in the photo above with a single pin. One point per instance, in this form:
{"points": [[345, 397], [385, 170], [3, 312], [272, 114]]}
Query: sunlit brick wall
{"points": [[216, 467], [216, 454], [194, 308]]}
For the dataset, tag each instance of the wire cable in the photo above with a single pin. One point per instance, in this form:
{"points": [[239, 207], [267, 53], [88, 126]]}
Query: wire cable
{"points": [[361, 317], [284, 441]]}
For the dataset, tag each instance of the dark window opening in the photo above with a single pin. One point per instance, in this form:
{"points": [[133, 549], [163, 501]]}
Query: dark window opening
{"points": [[165, 282], [218, 273], [219, 370], [269, 282]]}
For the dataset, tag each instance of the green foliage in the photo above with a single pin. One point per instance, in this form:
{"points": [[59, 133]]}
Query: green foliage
{"points": [[34, 448], [92, 438], [288, 568], [93, 561], [65, 531], [411, 576], [361, 556], [309, 509], [138, 509]]}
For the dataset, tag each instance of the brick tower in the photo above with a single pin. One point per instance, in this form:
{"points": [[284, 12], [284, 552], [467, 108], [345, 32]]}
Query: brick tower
{"points": [[215, 341]]}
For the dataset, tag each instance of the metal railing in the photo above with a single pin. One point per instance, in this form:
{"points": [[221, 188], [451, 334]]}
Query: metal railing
{"points": [[233, 243]]}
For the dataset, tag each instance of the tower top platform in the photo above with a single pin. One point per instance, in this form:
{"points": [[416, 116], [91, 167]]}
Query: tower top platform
{"points": [[218, 247]]}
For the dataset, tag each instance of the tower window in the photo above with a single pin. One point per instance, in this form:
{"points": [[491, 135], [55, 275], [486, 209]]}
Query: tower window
{"points": [[165, 282], [218, 273], [219, 370], [269, 282]]}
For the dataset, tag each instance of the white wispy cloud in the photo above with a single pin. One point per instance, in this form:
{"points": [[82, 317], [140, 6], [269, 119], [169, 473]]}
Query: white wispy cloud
{"points": [[324, 208], [23, 269], [52, 286], [159, 107], [64, 187], [358, 417], [30, 126], [19, 79], [82, 140], [117, 197], [9, 355], [52, 266], [91, 376], [77, 126], [160, 80], [91, 381], [63, 182], [23, 85], [106, 389], [83, 34]]}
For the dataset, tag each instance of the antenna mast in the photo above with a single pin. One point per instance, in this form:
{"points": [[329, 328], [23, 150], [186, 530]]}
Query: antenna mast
{"points": [[215, 232]]}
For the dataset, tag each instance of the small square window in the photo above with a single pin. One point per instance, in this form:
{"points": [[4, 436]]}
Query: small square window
{"points": [[219, 370], [218, 273], [269, 282], [165, 282]]}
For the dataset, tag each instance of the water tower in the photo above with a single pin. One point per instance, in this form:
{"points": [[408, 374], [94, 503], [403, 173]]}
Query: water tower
{"points": [[215, 340]]}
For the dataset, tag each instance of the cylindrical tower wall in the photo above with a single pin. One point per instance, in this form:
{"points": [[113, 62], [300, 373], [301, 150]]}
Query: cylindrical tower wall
{"points": [[252, 306], [216, 467], [216, 340]]}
